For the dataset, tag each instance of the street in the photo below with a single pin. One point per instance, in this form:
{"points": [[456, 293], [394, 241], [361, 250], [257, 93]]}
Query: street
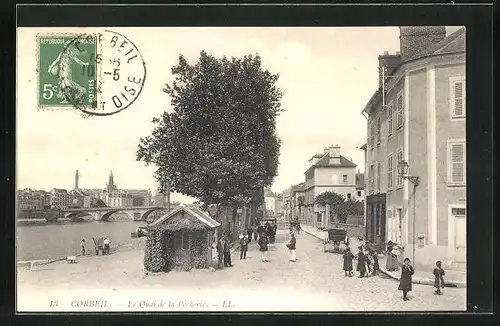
{"points": [[315, 281]]}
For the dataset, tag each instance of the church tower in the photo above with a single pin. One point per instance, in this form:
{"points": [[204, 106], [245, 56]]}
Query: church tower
{"points": [[111, 183]]}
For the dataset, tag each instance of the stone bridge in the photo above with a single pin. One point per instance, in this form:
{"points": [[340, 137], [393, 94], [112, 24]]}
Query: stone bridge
{"points": [[104, 213]]}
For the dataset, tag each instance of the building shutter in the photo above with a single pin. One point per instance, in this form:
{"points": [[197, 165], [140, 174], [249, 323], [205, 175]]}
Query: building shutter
{"points": [[457, 156], [390, 120], [399, 117], [389, 172], [459, 98], [379, 127]]}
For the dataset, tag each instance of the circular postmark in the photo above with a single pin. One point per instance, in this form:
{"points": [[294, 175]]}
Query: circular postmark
{"points": [[111, 72]]}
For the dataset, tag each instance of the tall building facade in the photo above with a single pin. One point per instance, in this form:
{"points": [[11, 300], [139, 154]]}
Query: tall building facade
{"points": [[329, 171], [418, 116], [60, 199]]}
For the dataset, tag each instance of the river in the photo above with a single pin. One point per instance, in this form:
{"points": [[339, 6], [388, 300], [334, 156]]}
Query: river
{"points": [[61, 239]]}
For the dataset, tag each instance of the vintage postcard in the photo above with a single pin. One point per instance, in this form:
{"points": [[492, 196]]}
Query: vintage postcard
{"points": [[164, 169]]}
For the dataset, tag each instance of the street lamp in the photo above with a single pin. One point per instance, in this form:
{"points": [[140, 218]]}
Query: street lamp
{"points": [[403, 172]]}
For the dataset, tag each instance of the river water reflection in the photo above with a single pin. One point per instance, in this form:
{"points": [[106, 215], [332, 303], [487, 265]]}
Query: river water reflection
{"points": [[57, 240]]}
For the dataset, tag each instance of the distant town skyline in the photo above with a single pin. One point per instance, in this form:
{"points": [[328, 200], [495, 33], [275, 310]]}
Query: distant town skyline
{"points": [[326, 86]]}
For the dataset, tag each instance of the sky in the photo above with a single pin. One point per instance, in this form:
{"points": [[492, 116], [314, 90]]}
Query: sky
{"points": [[327, 75]]}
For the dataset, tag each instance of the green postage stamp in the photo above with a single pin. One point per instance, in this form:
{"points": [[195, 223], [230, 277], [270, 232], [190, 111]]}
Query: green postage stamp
{"points": [[67, 71]]}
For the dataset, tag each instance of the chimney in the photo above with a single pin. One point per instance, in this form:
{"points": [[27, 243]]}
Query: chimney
{"points": [[390, 62], [76, 180], [334, 152], [415, 39]]}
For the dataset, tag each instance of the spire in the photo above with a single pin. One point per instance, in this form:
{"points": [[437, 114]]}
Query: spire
{"points": [[111, 181]]}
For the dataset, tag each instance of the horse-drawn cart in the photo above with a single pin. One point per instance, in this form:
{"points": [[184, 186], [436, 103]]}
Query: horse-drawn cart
{"points": [[336, 240]]}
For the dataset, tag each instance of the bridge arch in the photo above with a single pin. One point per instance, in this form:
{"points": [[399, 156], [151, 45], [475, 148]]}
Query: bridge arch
{"points": [[147, 213], [75, 215], [106, 216]]}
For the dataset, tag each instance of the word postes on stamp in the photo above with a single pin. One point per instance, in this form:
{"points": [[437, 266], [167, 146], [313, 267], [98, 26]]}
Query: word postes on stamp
{"points": [[66, 73]]}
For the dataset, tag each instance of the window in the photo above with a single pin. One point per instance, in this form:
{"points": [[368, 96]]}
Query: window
{"points": [[389, 171], [359, 193], [456, 162], [372, 135], [372, 178], [344, 179], [399, 158], [378, 130], [399, 111], [458, 211], [318, 217], [378, 177], [185, 240], [349, 196], [457, 97], [390, 122]]}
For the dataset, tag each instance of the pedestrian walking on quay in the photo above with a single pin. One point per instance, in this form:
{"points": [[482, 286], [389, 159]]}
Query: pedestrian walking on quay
{"points": [[376, 266], [368, 264], [260, 231], [255, 232], [292, 246], [227, 253], [244, 246], [82, 245], [348, 256], [298, 227], [106, 243], [263, 246], [249, 235], [220, 253], [405, 282], [274, 228], [361, 268], [438, 278]]}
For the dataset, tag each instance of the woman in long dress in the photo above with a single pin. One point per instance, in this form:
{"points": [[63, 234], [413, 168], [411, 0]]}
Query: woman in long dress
{"points": [[62, 68], [361, 268]]}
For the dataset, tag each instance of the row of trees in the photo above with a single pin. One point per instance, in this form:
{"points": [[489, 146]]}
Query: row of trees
{"points": [[340, 207], [218, 144]]}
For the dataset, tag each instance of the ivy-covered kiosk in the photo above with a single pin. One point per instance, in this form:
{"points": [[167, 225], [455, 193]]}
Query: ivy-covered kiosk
{"points": [[181, 239]]}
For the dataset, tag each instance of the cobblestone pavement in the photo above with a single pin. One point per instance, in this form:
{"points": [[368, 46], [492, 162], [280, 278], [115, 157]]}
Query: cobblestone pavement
{"points": [[314, 281]]}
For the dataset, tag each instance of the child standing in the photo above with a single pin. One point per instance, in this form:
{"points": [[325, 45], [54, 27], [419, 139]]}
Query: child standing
{"points": [[406, 278], [348, 256], [82, 245], [438, 278]]}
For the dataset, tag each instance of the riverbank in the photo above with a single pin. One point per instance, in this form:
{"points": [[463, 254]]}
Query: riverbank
{"points": [[53, 240], [30, 221]]}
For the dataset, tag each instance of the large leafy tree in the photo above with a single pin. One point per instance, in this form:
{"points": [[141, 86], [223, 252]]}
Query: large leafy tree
{"points": [[219, 143], [339, 206]]}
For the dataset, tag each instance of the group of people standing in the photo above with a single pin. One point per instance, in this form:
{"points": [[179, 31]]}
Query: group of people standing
{"points": [[104, 246], [405, 283], [364, 266], [224, 252], [263, 234]]}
